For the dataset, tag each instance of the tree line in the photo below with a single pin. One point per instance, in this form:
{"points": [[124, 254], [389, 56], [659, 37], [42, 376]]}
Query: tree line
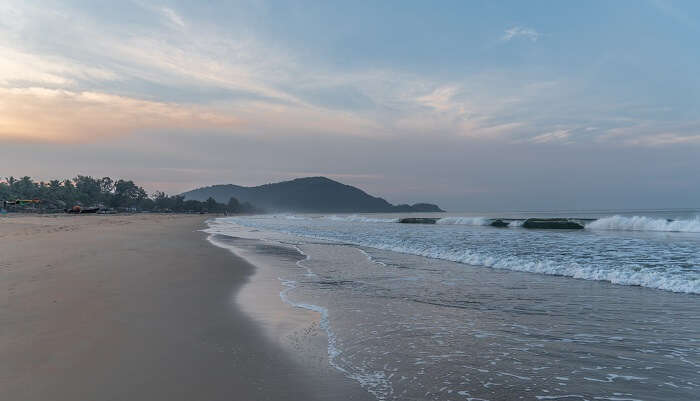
{"points": [[107, 193]]}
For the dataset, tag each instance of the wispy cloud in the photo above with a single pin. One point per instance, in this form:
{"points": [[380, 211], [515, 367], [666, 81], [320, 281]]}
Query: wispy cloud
{"points": [[57, 115], [666, 138], [21, 67], [670, 10], [652, 134], [520, 32], [172, 16], [554, 136], [274, 91], [262, 88]]}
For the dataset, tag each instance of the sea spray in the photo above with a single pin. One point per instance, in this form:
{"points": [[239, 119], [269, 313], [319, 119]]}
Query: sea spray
{"points": [[360, 219], [643, 223], [467, 221]]}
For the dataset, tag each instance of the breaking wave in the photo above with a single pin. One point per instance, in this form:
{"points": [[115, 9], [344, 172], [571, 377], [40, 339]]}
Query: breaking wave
{"points": [[643, 223], [466, 221], [361, 219], [612, 223], [665, 264], [623, 275], [293, 217], [628, 274]]}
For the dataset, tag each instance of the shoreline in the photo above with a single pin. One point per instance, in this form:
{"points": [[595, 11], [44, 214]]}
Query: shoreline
{"points": [[567, 261], [405, 326], [301, 329], [137, 307]]}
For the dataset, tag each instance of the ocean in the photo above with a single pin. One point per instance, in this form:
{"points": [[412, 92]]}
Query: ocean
{"points": [[461, 310]]}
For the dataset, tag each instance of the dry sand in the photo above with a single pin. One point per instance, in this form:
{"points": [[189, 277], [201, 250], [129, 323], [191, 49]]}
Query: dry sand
{"points": [[136, 308]]}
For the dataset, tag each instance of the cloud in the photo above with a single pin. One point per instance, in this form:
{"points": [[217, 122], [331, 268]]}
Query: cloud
{"points": [[196, 75], [173, 17], [681, 16], [665, 138], [646, 133], [440, 99], [22, 67], [554, 136], [276, 91], [57, 115], [176, 96], [520, 32]]}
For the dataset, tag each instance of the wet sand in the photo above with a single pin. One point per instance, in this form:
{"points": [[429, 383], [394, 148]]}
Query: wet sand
{"points": [[136, 307]]}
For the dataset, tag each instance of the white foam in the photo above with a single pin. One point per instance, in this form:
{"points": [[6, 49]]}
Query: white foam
{"points": [[375, 382], [370, 258], [674, 280], [360, 219], [465, 221], [643, 223], [293, 217], [622, 275]]}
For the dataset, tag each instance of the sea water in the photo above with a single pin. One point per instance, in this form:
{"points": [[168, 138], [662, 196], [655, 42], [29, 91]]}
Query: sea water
{"points": [[463, 310]]}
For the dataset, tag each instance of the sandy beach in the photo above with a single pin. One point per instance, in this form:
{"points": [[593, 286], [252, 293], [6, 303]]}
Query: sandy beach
{"points": [[136, 307]]}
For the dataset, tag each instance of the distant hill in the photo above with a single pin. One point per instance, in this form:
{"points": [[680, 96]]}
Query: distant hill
{"points": [[309, 195]]}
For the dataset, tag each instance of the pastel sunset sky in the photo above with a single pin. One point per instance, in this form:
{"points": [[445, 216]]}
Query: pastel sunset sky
{"points": [[472, 105]]}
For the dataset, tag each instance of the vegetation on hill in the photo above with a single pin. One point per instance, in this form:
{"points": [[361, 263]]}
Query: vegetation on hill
{"points": [[311, 195], [107, 193]]}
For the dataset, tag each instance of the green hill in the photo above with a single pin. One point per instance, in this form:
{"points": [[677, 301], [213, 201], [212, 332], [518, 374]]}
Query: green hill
{"points": [[309, 195]]}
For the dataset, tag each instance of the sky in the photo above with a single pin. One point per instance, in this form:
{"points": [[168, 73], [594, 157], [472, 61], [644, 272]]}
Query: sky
{"points": [[503, 105]]}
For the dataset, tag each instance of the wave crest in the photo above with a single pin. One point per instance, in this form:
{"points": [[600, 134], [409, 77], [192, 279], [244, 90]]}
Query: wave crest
{"points": [[465, 221], [643, 223], [360, 219]]}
